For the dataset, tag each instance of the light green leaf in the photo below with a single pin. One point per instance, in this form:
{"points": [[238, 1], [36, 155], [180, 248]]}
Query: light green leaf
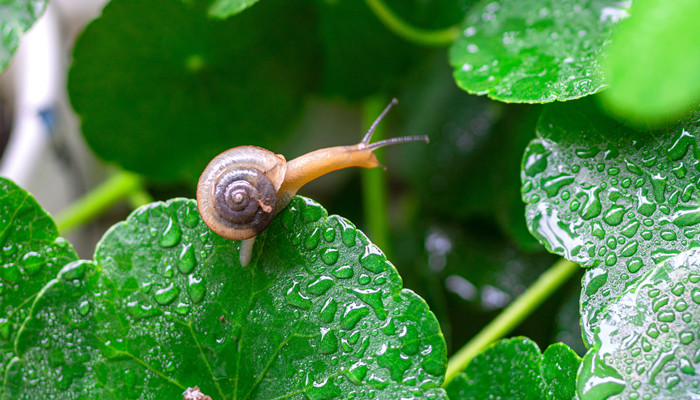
{"points": [[516, 369], [654, 62], [615, 200], [535, 51], [319, 313], [16, 17], [646, 344], [31, 253], [227, 8]]}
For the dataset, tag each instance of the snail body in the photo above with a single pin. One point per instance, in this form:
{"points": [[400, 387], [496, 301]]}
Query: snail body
{"points": [[243, 188]]}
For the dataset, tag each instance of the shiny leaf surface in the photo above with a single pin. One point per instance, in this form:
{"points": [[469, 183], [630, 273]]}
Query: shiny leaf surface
{"points": [[534, 51], [319, 313], [654, 61], [160, 87], [610, 198], [646, 344], [228, 8], [31, 253], [516, 369], [16, 17]]}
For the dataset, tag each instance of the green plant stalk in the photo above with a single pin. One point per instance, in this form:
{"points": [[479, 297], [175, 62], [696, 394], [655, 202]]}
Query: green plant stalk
{"points": [[374, 192], [403, 29], [119, 186], [513, 315]]}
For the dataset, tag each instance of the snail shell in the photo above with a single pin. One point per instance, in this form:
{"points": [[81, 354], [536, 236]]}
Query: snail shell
{"points": [[237, 192]]}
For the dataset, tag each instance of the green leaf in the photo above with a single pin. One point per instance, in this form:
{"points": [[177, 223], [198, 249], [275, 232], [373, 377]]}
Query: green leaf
{"points": [[654, 61], [16, 17], [361, 57], [319, 313], [228, 8], [534, 51], [161, 88], [430, 14], [516, 369], [615, 200], [646, 344], [31, 253]]}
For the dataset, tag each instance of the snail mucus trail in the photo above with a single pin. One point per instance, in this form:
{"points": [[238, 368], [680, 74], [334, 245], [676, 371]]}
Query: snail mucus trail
{"points": [[243, 188]]}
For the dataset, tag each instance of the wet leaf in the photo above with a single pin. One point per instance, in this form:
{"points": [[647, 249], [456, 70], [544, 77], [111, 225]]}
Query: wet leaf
{"points": [[16, 17], [646, 344], [160, 87], [31, 253], [320, 313], [615, 200], [516, 369], [535, 51], [654, 61], [228, 8]]}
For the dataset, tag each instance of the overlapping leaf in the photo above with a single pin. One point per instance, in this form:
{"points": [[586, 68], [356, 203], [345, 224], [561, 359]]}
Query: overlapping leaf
{"points": [[16, 17], [31, 253], [654, 61], [227, 8], [320, 313], [535, 51], [613, 199], [160, 87], [646, 344], [516, 369]]}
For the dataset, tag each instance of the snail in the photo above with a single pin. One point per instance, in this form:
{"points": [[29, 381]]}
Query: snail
{"points": [[243, 188]]}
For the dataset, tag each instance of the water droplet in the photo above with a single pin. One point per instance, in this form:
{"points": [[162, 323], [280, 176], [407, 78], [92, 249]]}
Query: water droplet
{"points": [[686, 216], [658, 183], [614, 215], [313, 239], [328, 310], [597, 230], [296, 299], [364, 279], [329, 342], [611, 259], [587, 153], [196, 288], [320, 285], [166, 295], [172, 234], [373, 298], [348, 232], [633, 168], [330, 256], [666, 316], [373, 259], [352, 315], [187, 260], [311, 210], [535, 159], [629, 250], [652, 331], [678, 289], [182, 308], [552, 185], [686, 337], [592, 207], [343, 272], [680, 146], [329, 234], [631, 228], [84, 308], [695, 295], [191, 217], [32, 262]]}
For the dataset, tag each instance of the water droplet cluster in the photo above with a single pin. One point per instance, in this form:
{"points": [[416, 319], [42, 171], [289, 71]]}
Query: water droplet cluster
{"points": [[518, 51], [647, 344], [319, 311], [611, 199]]}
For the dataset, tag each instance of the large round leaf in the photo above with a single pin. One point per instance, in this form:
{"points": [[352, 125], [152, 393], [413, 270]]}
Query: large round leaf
{"points": [[31, 253], [534, 51], [610, 198], [161, 88], [647, 345], [318, 314]]}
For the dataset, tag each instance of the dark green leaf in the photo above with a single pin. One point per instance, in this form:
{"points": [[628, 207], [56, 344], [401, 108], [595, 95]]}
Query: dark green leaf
{"points": [[228, 8], [361, 56], [430, 14], [646, 344], [161, 88], [515, 369], [318, 314], [534, 51], [654, 61], [610, 198], [31, 253], [16, 17]]}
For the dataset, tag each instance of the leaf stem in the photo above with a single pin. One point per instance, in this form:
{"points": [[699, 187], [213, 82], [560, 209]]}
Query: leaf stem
{"points": [[403, 29], [121, 185], [515, 313], [374, 193]]}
